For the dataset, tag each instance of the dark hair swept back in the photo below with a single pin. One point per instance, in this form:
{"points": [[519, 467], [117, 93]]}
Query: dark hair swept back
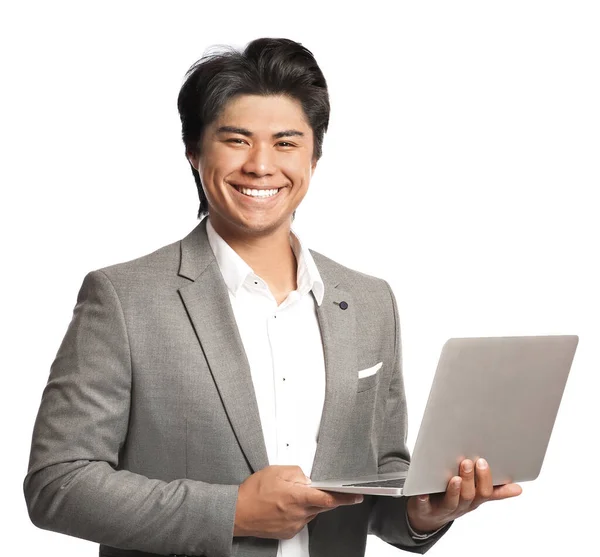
{"points": [[265, 67]]}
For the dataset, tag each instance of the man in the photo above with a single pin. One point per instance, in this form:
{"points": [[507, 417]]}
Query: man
{"points": [[197, 387]]}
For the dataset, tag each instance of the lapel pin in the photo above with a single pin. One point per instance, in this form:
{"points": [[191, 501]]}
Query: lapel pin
{"points": [[342, 304]]}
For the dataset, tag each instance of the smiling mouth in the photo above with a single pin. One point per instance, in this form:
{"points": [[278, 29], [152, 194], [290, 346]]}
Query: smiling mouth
{"points": [[253, 192]]}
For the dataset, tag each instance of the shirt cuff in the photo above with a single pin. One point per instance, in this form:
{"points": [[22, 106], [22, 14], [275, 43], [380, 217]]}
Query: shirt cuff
{"points": [[420, 537]]}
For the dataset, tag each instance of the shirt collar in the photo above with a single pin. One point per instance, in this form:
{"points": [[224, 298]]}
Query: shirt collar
{"points": [[235, 270]]}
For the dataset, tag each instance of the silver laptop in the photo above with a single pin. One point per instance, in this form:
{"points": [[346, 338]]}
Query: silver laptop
{"points": [[495, 398]]}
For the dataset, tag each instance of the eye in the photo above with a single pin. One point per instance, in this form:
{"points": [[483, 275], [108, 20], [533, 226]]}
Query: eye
{"points": [[285, 144], [236, 141]]}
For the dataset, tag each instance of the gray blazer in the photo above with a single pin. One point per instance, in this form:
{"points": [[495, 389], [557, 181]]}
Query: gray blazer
{"points": [[149, 422]]}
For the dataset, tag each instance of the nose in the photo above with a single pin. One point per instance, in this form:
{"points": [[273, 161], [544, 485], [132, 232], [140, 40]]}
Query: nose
{"points": [[260, 161]]}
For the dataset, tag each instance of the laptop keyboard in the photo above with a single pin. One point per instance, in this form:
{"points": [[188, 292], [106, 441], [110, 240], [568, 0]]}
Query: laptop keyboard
{"points": [[396, 482]]}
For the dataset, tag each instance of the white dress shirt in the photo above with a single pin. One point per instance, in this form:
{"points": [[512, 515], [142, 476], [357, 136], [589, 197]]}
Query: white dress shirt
{"points": [[285, 352]]}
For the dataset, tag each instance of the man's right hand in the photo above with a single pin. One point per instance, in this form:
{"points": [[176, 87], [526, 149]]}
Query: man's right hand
{"points": [[275, 502]]}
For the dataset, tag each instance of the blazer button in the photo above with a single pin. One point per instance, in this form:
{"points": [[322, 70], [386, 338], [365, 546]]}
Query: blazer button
{"points": [[343, 305]]}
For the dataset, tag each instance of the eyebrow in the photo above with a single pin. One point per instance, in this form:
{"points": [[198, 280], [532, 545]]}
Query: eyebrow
{"points": [[248, 133]]}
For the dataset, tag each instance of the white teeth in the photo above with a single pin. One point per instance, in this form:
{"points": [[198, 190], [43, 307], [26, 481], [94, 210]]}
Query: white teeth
{"points": [[258, 193]]}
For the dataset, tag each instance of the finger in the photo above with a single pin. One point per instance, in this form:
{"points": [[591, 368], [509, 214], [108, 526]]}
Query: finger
{"points": [[483, 475], [506, 492], [321, 499], [452, 496], [467, 488], [330, 505], [348, 498], [338, 499]]}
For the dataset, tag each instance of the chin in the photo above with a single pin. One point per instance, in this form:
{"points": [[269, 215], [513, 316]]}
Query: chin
{"points": [[262, 226]]}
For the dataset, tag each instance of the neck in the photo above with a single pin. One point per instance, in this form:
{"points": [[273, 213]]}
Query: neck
{"points": [[270, 256]]}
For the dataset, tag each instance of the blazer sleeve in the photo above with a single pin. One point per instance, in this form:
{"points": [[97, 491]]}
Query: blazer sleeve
{"points": [[388, 518], [73, 484]]}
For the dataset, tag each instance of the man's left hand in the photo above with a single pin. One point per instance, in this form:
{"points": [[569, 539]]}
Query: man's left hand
{"points": [[464, 493]]}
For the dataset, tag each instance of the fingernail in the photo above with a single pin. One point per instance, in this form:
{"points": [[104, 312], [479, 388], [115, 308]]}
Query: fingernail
{"points": [[467, 467], [482, 464], [358, 499], [457, 483]]}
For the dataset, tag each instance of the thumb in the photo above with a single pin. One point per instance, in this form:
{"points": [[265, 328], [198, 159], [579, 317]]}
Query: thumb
{"points": [[423, 505], [293, 474], [302, 478]]}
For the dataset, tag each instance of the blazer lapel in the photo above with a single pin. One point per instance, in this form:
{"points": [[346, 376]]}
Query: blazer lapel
{"points": [[207, 302], [338, 331]]}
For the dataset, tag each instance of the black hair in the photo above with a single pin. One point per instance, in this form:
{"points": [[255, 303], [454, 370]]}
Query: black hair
{"points": [[265, 67]]}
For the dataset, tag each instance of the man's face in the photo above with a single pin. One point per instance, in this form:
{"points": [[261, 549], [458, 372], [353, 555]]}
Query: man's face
{"points": [[256, 161]]}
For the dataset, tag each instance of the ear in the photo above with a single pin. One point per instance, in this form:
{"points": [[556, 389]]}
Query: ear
{"points": [[313, 166], [193, 159]]}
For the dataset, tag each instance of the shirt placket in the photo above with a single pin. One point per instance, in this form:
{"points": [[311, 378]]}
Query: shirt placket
{"points": [[281, 383]]}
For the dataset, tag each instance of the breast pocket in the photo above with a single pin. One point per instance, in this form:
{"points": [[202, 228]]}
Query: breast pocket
{"points": [[369, 377]]}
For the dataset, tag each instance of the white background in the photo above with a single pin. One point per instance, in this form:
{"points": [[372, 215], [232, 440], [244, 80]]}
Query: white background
{"points": [[462, 165]]}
